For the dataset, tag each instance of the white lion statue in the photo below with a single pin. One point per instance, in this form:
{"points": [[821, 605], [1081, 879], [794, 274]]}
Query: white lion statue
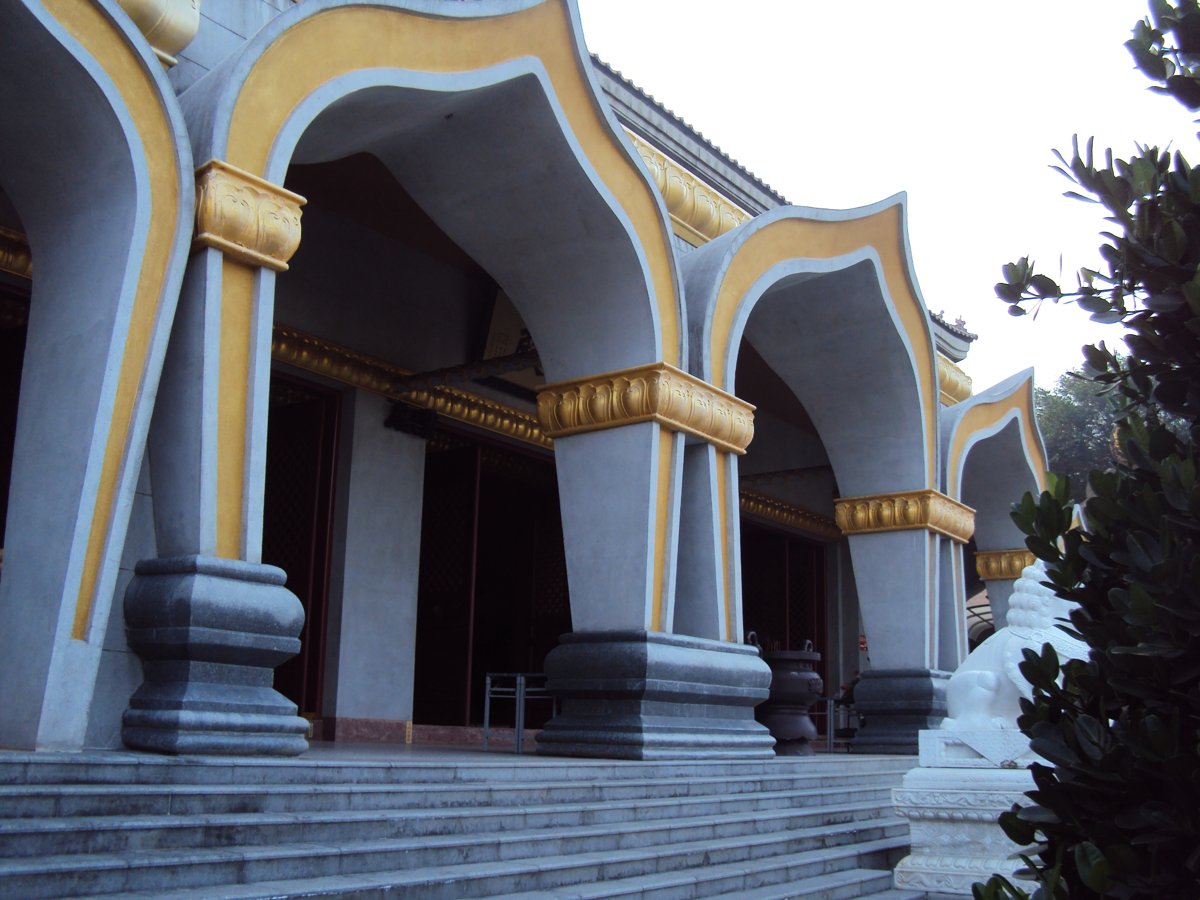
{"points": [[985, 691]]}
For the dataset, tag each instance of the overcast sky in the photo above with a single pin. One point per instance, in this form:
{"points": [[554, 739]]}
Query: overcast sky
{"points": [[838, 104]]}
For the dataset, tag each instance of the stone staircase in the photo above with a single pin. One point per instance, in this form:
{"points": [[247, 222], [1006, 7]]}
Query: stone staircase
{"points": [[447, 826]]}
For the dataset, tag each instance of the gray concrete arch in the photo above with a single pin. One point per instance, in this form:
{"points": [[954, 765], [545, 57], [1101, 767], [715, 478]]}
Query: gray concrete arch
{"points": [[93, 156]]}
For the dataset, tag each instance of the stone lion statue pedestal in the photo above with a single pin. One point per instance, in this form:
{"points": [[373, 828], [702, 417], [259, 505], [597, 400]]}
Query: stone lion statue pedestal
{"points": [[976, 765]]}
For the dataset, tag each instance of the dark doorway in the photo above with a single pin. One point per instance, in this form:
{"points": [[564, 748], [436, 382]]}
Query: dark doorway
{"points": [[783, 589], [493, 582], [14, 324], [297, 521]]}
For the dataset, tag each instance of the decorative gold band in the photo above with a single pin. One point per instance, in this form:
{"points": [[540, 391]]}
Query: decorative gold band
{"points": [[653, 393], [251, 220], [764, 507], [698, 211], [1002, 565], [927, 509], [954, 385], [370, 374], [15, 257]]}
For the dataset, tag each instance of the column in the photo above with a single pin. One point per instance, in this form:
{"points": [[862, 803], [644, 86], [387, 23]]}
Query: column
{"points": [[1000, 570], [208, 619], [894, 544], [630, 686]]}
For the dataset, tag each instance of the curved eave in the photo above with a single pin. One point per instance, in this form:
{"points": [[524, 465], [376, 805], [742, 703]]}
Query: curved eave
{"points": [[983, 415]]}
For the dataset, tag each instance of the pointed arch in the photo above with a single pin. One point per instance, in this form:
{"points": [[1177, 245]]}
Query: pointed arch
{"points": [[94, 157]]}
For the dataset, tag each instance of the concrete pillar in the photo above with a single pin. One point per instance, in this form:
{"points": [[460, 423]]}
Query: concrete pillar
{"points": [[209, 620], [628, 687], [894, 543], [1000, 570], [373, 603]]}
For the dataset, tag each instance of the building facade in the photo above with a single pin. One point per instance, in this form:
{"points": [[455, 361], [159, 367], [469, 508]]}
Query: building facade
{"points": [[353, 350]]}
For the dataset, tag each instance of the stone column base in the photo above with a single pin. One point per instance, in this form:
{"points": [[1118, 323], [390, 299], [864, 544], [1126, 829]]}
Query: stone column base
{"points": [[645, 695], [210, 633], [956, 840], [896, 705]]}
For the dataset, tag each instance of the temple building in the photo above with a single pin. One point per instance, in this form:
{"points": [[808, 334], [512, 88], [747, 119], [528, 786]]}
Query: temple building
{"points": [[350, 351]]}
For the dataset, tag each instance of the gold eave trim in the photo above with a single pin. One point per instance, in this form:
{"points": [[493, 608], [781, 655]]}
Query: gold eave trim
{"points": [[15, 256], [699, 212], [954, 385], [246, 217], [1002, 565], [906, 510], [657, 392], [321, 357], [811, 523]]}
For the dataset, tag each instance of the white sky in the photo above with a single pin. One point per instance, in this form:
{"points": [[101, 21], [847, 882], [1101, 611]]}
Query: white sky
{"points": [[839, 104]]}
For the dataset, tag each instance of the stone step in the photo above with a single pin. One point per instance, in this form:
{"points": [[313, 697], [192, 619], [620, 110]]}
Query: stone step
{"points": [[42, 800], [115, 834], [689, 883], [550, 857], [119, 768], [696, 870]]}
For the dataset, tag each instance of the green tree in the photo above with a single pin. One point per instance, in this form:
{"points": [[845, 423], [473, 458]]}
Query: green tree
{"points": [[1076, 418], [1117, 813]]}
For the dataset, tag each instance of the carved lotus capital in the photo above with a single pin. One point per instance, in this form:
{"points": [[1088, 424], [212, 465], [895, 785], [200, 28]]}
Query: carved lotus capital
{"points": [[246, 217], [904, 510], [653, 393], [1002, 565]]}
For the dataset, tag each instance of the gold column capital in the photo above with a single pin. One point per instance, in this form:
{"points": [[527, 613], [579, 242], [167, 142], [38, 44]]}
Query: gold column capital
{"points": [[954, 385], [169, 25], [246, 217], [1002, 565], [652, 393], [904, 510], [15, 257]]}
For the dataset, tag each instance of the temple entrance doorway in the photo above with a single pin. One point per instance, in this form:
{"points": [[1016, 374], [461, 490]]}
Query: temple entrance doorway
{"points": [[14, 323], [783, 590], [493, 581], [298, 511]]}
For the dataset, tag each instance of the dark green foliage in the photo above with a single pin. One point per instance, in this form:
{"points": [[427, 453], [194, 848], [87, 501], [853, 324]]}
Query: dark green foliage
{"points": [[1117, 814], [1076, 418]]}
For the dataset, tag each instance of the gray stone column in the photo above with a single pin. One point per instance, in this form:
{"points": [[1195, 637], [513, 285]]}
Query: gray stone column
{"points": [[629, 688], [895, 546], [1000, 570], [208, 619]]}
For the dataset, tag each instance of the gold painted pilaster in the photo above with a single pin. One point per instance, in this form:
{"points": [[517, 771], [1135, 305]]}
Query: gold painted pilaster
{"points": [[764, 507], [905, 510], [249, 219], [169, 25], [1002, 565], [698, 211], [15, 257], [954, 385], [652, 393]]}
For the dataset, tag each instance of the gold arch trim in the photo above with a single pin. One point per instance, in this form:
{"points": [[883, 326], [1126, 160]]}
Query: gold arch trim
{"points": [[786, 239], [107, 44], [329, 44], [985, 416], [1002, 565], [653, 393], [906, 510]]}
